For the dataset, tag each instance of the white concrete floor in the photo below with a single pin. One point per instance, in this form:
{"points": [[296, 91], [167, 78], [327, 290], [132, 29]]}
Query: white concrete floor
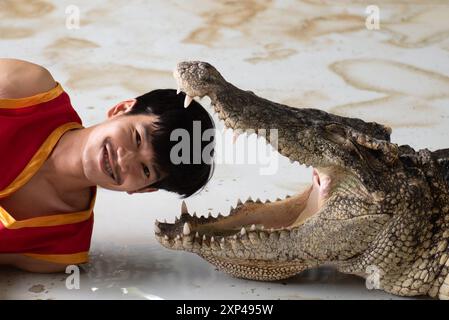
{"points": [[302, 53]]}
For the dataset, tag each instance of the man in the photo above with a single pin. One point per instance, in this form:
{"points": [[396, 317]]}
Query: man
{"points": [[50, 164]]}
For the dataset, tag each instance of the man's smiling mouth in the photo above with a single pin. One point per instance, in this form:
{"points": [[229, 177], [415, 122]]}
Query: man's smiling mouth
{"points": [[107, 164]]}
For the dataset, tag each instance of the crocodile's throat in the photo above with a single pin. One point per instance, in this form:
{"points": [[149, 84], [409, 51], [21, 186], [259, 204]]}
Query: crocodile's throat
{"points": [[278, 215]]}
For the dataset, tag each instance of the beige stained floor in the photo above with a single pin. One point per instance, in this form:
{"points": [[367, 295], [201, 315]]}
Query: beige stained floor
{"points": [[303, 53]]}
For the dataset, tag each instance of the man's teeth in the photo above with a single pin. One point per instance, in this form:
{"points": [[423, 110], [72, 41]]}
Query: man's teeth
{"points": [[107, 165]]}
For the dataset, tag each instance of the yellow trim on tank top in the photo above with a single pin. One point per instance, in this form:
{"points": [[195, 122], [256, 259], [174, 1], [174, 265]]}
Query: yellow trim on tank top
{"points": [[74, 258], [32, 167], [32, 100]]}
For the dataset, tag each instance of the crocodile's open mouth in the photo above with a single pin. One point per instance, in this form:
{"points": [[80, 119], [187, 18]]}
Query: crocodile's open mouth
{"points": [[253, 219], [334, 219]]}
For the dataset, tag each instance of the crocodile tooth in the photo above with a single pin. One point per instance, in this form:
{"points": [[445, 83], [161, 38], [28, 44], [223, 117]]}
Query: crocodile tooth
{"points": [[187, 101], [253, 227], [186, 229], [166, 237], [243, 231], [235, 137], [156, 227], [197, 235], [184, 208], [204, 237], [212, 239], [274, 236], [284, 235], [253, 237]]}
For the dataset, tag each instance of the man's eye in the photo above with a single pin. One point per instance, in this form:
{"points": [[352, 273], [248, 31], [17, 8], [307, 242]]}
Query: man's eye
{"points": [[138, 138], [146, 171]]}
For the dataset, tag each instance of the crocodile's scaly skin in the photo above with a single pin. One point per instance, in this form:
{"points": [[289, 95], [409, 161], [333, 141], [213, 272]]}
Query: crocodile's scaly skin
{"points": [[387, 209]]}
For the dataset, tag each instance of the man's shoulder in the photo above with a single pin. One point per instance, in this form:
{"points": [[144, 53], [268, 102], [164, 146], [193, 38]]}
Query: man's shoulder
{"points": [[22, 79]]}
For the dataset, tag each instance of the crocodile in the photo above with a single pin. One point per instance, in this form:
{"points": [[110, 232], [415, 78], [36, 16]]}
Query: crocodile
{"points": [[375, 209]]}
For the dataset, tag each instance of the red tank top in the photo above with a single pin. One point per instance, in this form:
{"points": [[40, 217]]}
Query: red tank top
{"points": [[29, 130]]}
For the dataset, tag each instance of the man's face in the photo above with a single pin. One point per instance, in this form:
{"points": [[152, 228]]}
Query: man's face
{"points": [[118, 154]]}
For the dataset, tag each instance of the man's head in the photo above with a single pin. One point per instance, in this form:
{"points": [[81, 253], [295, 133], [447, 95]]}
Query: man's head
{"points": [[131, 150]]}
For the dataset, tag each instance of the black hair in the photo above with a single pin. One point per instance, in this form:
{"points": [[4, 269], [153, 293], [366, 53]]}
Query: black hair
{"points": [[183, 178]]}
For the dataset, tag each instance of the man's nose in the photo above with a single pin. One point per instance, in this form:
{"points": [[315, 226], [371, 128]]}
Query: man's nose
{"points": [[125, 159]]}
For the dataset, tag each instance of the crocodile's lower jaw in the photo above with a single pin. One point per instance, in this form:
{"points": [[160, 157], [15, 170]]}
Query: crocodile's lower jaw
{"points": [[249, 218]]}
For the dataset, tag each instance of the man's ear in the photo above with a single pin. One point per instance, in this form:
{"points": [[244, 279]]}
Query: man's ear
{"points": [[121, 108], [143, 190]]}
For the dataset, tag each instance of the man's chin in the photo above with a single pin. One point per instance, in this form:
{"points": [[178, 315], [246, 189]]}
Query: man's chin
{"points": [[109, 187]]}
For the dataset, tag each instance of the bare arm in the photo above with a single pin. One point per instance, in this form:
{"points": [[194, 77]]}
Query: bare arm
{"points": [[29, 264], [20, 79]]}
